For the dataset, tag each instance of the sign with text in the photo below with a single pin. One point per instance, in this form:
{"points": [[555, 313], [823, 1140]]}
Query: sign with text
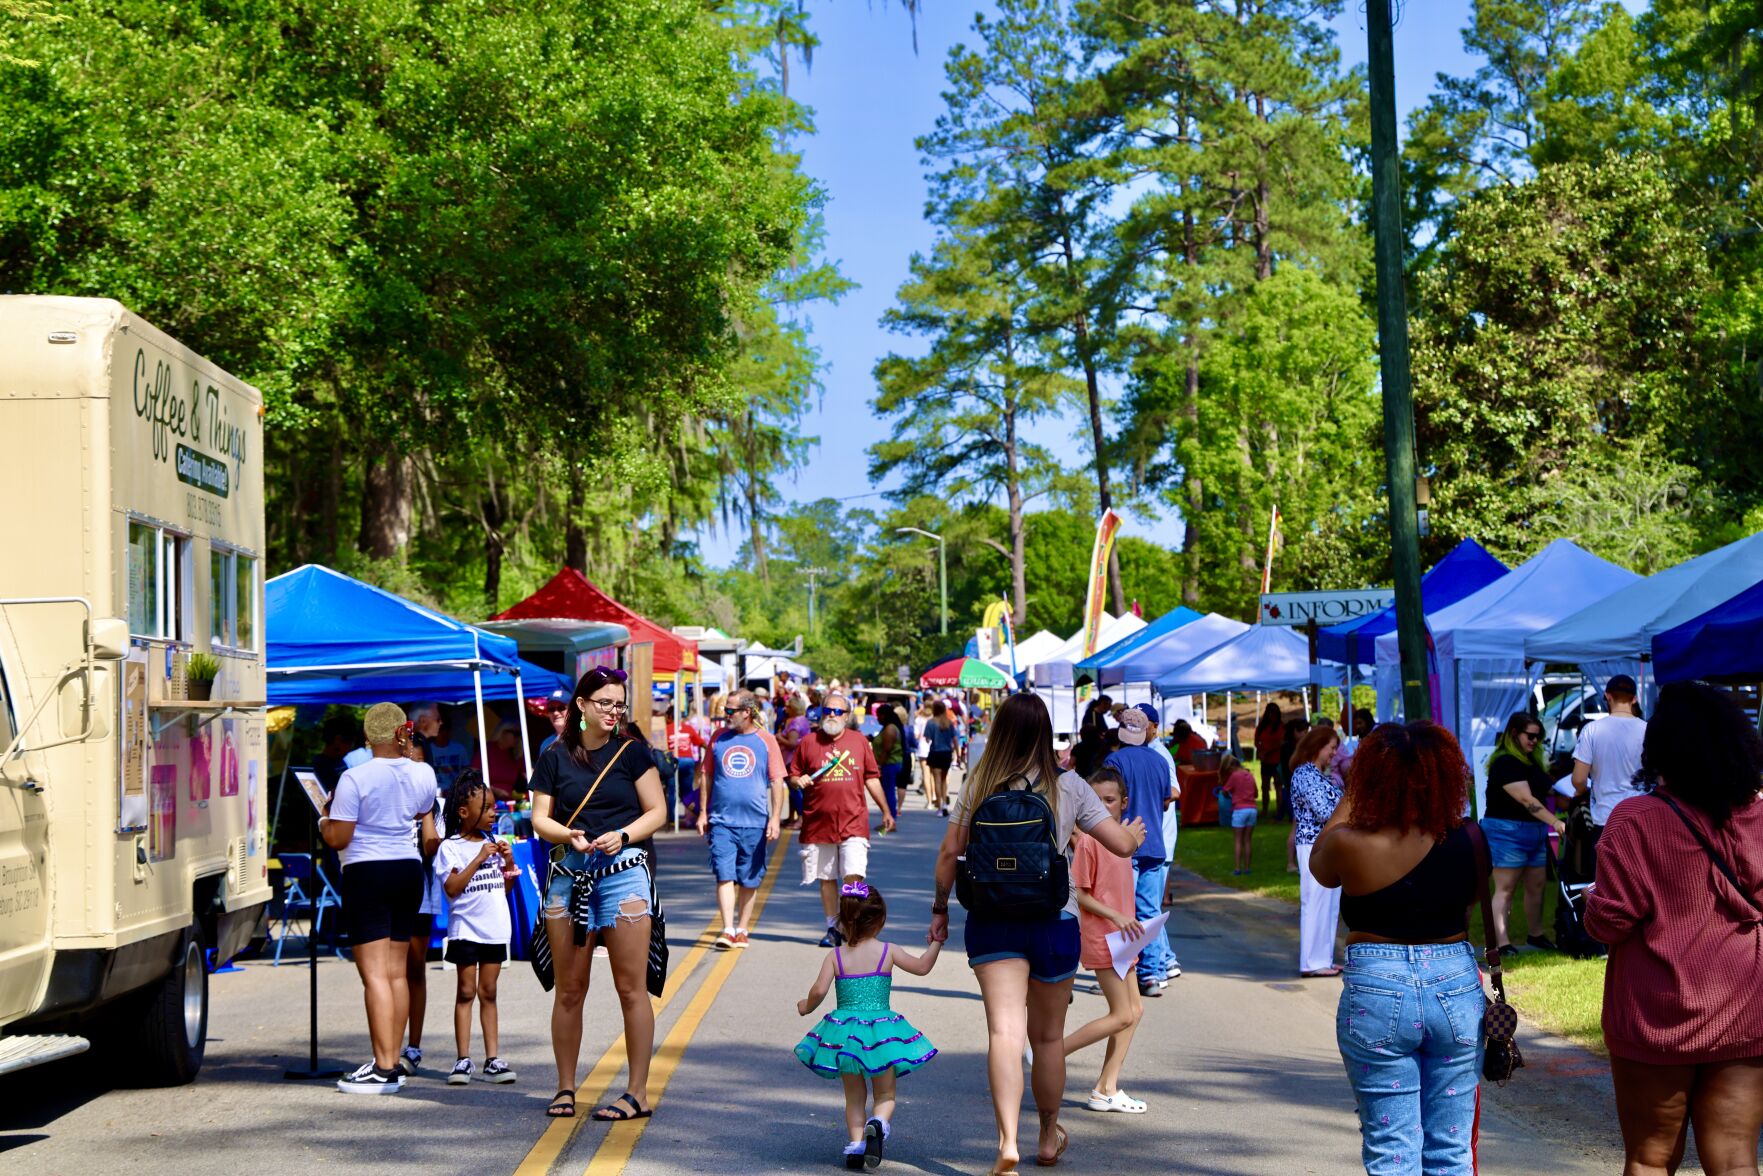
{"points": [[1325, 608]]}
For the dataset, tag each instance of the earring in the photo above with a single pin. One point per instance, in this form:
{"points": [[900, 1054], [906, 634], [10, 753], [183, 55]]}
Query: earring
{"points": [[584, 723]]}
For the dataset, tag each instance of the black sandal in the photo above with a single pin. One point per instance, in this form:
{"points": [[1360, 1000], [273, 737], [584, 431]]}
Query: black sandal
{"points": [[614, 1113], [560, 1109]]}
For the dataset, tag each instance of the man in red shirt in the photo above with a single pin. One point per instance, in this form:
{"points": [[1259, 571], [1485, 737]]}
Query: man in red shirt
{"points": [[834, 767]]}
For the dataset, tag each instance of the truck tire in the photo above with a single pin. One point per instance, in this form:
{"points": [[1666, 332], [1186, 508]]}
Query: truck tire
{"points": [[171, 1034]]}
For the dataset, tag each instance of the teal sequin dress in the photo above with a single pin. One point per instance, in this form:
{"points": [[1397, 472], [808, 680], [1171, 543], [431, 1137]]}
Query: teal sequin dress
{"points": [[863, 1035]]}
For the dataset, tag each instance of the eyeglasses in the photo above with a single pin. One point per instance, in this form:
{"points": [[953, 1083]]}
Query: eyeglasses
{"points": [[608, 705], [829, 712], [729, 712], [1532, 735]]}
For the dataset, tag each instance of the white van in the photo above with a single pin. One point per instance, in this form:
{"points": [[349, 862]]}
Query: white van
{"points": [[132, 807]]}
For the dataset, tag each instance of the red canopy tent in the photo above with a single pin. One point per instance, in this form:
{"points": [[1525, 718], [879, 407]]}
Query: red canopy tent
{"points": [[572, 596]]}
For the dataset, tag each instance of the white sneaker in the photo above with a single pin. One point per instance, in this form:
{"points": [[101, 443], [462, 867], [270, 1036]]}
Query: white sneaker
{"points": [[1119, 1102], [1174, 973], [496, 1070], [410, 1060], [371, 1080], [461, 1075]]}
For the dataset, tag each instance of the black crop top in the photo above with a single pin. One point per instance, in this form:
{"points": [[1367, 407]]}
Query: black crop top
{"points": [[1428, 904]]}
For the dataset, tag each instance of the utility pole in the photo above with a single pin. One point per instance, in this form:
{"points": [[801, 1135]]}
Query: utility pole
{"points": [[811, 573], [1392, 338], [942, 569]]}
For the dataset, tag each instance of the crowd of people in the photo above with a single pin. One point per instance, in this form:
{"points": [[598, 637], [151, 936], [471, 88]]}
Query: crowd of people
{"points": [[1381, 838]]}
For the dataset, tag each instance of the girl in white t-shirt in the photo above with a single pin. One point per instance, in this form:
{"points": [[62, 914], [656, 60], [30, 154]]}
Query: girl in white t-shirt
{"points": [[476, 872]]}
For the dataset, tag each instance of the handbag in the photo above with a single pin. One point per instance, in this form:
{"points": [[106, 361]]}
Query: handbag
{"points": [[1501, 1057], [544, 968]]}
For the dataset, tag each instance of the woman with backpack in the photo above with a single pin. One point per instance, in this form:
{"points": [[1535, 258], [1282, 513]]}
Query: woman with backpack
{"points": [[1022, 937]]}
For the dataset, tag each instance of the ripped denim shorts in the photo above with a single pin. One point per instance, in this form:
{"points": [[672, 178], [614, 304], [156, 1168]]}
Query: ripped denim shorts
{"points": [[607, 906]]}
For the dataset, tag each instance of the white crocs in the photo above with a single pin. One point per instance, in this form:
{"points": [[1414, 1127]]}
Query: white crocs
{"points": [[1119, 1102]]}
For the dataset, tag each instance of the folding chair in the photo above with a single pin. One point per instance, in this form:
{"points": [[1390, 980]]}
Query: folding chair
{"points": [[299, 872]]}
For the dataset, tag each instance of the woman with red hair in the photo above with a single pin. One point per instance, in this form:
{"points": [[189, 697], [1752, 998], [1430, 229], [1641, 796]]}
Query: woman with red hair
{"points": [[1410, 1019]]}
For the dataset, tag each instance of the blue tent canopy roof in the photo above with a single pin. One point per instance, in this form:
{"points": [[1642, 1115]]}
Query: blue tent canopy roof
{"points": [[331, 638], [1097, 665], [1262, 657], [1466, 569], [1724, 642]]}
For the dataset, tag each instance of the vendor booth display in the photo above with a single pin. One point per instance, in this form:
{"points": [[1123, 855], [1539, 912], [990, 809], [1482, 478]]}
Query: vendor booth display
{"points": [[1618, 634], [1468, 568], [1479, 642]]}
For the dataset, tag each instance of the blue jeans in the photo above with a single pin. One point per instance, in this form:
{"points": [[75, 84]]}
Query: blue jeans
{"points": [[1149, 876], [1409, 1028]]}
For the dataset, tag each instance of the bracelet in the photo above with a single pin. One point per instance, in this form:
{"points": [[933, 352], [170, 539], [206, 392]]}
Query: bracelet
{"points": [[939, 910]]}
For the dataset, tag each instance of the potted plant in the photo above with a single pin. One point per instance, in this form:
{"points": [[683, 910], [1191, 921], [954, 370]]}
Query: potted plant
{"points": [[199, 673]]}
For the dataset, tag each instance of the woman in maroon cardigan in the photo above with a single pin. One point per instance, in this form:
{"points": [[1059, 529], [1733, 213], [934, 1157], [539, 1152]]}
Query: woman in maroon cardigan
{"points": [[1679, 899]]}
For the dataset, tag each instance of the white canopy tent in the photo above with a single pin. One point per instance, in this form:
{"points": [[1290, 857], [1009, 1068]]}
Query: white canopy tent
{"points": [[1058, 669], [764, 669], [1030, 650]]}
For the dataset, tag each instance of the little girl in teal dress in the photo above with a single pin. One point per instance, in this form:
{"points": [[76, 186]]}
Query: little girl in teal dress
{"points": [[863, 1041]]}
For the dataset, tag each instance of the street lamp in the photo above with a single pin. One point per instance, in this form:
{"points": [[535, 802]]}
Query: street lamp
{"points": [[942, 569]]}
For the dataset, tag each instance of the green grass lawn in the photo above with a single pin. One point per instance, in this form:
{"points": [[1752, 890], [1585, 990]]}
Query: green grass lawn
{"points": [[1556, 992]]}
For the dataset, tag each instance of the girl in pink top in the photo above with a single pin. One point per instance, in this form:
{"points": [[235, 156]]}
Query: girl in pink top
{"points": [[1104, 885], [1679, 899]]}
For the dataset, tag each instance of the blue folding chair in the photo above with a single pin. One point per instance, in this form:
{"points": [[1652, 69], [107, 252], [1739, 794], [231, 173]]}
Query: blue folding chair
{"points": [[299, 873]]}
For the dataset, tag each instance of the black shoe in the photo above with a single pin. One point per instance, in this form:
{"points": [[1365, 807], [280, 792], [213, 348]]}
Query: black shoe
{"points": [[1542, 943], [1150, 990], [873, 1137], [832, 938], [370, 1079]]}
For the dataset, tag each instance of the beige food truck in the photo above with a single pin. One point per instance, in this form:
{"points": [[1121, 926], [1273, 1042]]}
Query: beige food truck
{"points": [[131, 799]]}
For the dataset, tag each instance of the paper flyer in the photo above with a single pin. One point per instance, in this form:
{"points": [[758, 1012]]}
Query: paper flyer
{"points": [[1125, 949]]}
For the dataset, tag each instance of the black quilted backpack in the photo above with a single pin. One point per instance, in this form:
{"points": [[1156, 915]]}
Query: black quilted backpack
{"points": [[1013, 869]]}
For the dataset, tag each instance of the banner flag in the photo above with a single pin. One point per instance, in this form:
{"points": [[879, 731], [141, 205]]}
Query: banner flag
{"points": [[1106, 527], [1009, 637]]}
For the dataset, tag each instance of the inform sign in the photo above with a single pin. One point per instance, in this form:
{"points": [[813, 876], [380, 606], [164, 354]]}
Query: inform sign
{"points": [[1325, 608]]}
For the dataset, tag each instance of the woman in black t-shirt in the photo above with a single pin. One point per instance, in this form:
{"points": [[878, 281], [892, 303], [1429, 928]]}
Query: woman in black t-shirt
{"points": [[604, 839], [1517, 821]]}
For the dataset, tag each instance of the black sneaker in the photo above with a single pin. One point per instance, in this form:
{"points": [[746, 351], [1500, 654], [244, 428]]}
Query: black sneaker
{"points": [[461, 1075], [832, 938], [1149, 990], [370, 1079], [873, 1138], [1542, 943], [410, 1061], [496, 1070]]}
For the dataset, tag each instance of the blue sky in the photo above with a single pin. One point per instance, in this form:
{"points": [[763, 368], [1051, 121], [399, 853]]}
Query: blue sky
{"points": [[871, 96]]}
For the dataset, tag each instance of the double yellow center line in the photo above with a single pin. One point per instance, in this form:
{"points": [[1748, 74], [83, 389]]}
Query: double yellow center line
{"points": [[616, 1146]]}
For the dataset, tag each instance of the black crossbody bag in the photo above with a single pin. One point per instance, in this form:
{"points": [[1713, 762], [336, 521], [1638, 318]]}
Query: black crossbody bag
{"points": [[581, 888], [1499, 1024]]}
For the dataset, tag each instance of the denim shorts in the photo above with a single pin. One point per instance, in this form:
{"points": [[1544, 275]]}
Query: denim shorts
{"points": [[1409, 1031], [610, 892], [1514, 845], [737, 854], [1052, 948], [1243, 818]]}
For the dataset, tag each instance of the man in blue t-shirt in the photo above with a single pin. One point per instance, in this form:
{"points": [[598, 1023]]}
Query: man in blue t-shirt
{"points": [[741, 804], [1148, 793]]}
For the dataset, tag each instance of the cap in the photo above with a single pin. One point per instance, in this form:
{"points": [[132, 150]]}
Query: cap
{"points": [[1134, 727], [1620, 684], [1150, 712], [382, 722], [557, 698]]}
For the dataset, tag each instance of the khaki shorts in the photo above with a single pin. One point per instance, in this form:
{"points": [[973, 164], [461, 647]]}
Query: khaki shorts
{"points": [[831, 863]]}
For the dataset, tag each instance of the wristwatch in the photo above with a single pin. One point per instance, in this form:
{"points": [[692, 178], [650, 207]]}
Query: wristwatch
{"points": [[939, 910], [625, 833]]}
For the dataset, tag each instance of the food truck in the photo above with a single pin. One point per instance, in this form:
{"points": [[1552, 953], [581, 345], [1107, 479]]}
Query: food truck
{"points": [[132, 745]]}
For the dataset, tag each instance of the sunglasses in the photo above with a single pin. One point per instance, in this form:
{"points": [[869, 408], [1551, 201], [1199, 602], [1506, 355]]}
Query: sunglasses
{"points": [[730, 712], [829, 712], [1530, 734]]}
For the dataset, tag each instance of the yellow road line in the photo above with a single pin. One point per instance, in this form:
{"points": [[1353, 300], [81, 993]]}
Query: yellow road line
{"points": [[616, 1148], [559, 1132]]}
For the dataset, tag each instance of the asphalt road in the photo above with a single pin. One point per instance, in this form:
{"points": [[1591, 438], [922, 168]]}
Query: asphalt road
{"points": [[1237, 1061]]}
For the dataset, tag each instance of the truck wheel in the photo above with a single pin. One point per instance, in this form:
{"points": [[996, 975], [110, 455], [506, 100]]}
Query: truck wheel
{"points": [[172, 1033]]}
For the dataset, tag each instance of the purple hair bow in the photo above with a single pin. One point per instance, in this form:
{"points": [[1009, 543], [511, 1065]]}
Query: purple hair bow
{"points": [[855, 890]]}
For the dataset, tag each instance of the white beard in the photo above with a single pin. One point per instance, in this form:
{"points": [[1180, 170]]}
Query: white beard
{"points": [[833, 728]]}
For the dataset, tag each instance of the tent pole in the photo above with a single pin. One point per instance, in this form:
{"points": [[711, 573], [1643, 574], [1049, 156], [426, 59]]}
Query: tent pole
{"points": [[483, 735], [526, 745]]}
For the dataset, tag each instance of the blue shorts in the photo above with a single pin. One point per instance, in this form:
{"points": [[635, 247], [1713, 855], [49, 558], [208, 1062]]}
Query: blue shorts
{"points": [[1242, 818], [610, 892], [737, 854], [1516, 845], [1051, 948]]}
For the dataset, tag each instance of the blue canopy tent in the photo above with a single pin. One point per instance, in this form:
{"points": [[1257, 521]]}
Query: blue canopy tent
{"points": [[1724, 642], [1466, 569], [1177, 648], [1261, 657], [1618, 634], [333, 639], [1103, 666]]}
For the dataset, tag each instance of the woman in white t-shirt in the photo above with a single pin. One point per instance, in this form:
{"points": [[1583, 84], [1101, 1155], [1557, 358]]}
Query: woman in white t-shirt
{"points": [[1025, 968], [381, 818]]}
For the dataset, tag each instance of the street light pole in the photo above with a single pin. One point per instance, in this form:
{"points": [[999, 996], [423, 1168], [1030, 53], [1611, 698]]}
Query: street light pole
{"points": [[942, 569], [811, 573], [1392, 337]]}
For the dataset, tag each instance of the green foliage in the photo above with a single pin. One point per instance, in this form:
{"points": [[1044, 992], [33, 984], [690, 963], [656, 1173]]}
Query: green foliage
{"points": [[201, 667]]}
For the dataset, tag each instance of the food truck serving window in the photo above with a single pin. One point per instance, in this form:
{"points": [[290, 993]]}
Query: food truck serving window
{"points": [[232, 584], [158, 580]]}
